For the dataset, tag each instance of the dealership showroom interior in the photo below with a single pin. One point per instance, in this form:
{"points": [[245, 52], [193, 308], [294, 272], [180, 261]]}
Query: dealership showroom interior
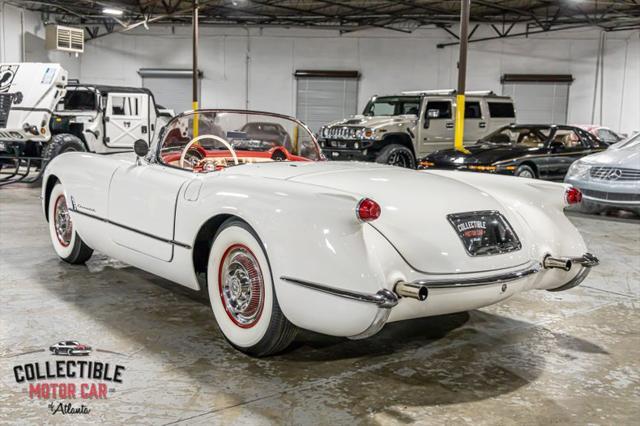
{"points": [[320, 212]]}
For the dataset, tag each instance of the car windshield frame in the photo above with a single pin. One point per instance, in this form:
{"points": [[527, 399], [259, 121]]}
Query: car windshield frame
{"points": [[155, 153], [401, 99]]}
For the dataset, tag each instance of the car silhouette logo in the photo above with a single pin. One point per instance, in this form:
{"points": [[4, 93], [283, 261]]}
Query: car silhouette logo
{"points": [[614, 174], [70, 348]]}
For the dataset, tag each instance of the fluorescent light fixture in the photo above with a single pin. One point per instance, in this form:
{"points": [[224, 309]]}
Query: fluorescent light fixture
{"points": [[110, 11]]}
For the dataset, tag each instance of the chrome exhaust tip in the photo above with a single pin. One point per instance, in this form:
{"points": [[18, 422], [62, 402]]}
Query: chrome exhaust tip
{"points": [[551, 262], [412, 290]]}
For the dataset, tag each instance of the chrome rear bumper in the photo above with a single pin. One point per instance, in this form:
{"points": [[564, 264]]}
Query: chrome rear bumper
{"points": [[419, 289]]}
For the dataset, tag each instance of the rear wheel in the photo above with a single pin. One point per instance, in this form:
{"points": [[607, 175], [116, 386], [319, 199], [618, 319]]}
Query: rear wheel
{"points": [[397, 155], [242, 295], [66, 241], [525, 172]]}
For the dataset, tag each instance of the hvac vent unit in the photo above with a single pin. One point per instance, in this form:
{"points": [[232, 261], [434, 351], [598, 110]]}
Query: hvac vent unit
{"points": [[67, 39]]}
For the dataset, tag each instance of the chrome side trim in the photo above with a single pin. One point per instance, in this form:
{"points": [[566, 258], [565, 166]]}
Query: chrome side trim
{"points": [[383, 298], [532, 268], [128, 228]]}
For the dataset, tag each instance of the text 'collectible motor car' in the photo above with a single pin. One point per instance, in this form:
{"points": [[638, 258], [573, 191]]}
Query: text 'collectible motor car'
{"points": [[280, 239]]}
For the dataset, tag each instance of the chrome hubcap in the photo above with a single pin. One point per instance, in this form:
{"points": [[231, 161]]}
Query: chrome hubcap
{"points": [[525, 174], [62, 221], [241, 286]]}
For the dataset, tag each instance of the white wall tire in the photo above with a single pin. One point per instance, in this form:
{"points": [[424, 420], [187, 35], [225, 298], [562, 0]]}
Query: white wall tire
{"points": [[240, 288], [66, 241]]}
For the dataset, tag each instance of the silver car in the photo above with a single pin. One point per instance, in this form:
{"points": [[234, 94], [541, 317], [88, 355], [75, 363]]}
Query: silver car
{"points": [[609, 179]]}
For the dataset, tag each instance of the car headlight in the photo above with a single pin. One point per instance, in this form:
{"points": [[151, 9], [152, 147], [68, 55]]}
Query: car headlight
{"points": [[578, 169]]}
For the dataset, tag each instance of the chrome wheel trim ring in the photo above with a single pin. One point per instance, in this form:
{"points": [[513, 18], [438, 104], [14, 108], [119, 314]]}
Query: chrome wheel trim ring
{"points": [[62, 221], [525, 174], [241, 286]]}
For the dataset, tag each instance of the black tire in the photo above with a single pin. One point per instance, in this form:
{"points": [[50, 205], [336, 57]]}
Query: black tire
{"points": [[61, 143], [280, 333], [525, 171], [397, 155]]}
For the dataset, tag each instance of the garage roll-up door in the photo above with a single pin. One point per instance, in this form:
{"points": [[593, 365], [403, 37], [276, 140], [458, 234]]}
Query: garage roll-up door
{"points": [[539, 98], [171, 88], [325, 96]]}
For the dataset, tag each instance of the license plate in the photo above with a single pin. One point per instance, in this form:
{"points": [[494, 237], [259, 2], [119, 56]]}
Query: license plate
{"points": [[335, 154], [484, 233]]}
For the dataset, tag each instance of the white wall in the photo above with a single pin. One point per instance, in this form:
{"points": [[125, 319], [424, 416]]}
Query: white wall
{"points": [[22, 40], [389, 62]]}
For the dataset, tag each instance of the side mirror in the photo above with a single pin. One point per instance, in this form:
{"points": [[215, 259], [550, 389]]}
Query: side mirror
{"points": [[140, 147]]}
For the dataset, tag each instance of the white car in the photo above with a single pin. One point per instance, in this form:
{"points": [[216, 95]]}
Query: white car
{"points": [[280, 239]]}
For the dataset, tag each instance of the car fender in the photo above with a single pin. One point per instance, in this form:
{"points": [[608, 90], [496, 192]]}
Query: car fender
{"points": [[302, 227]]}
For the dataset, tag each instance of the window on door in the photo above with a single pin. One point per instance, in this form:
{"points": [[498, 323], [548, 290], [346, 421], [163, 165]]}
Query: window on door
{"points": [[472, 110], [438, 109], [127, 106]]}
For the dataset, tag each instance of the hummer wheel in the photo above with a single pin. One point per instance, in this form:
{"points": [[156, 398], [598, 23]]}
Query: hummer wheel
{"points": [[397, 155]]}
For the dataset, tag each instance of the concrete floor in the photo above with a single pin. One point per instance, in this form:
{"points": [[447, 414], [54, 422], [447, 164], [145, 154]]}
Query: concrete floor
{"points": [[539, 358]]}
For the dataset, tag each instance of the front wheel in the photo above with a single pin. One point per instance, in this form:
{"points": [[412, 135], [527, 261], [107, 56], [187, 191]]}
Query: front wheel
{"points": [[66, 241], [397, 155], [525, 172], [242, 295], [61, 143]]}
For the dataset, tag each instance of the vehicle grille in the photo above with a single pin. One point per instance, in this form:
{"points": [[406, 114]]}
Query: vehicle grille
{"points": [[611, 196], [614, 173], [340, 133], [5, 106]]}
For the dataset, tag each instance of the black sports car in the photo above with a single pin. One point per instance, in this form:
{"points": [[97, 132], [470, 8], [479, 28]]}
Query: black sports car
{"points": [[533, 151]]}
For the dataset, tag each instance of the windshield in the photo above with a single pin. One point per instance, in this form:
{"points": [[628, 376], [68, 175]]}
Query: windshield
{"points": [[393, 105], [528, 136], [632, 142], [77, 100], [224, 139]]}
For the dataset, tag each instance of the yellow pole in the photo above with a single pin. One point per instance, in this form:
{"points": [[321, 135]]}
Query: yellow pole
{"points": [[194, 106], [465, 6], [195, 68], [459, 130]]}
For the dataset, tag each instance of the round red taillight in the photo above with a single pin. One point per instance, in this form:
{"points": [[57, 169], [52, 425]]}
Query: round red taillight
{"points": [[368, 210], [573, 196]]}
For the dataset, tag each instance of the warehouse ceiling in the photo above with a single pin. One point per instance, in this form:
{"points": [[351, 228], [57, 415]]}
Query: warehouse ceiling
{"points": [[344, 15]]}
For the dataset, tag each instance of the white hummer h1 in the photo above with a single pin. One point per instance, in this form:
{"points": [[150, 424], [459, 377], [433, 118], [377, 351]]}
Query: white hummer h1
{"points": [[42, 115], [398, 129]]}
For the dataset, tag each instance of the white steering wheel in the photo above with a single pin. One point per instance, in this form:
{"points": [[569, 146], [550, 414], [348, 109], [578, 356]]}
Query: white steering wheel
{"points": [[215, 138]]}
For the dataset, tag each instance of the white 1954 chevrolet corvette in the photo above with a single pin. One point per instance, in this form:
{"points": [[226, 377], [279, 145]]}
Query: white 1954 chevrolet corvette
{"points": [[249, 212]]}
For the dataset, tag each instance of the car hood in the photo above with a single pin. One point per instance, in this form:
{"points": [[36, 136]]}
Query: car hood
{"points": [[628, 158], [479, 154], [374, 122], [415, 206]]}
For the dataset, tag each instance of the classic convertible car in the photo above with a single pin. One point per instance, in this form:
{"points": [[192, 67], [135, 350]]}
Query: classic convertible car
{"points": [[280, 239]]}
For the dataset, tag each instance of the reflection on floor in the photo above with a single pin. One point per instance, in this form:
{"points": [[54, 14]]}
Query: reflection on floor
{"points": [[538, 358]]}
